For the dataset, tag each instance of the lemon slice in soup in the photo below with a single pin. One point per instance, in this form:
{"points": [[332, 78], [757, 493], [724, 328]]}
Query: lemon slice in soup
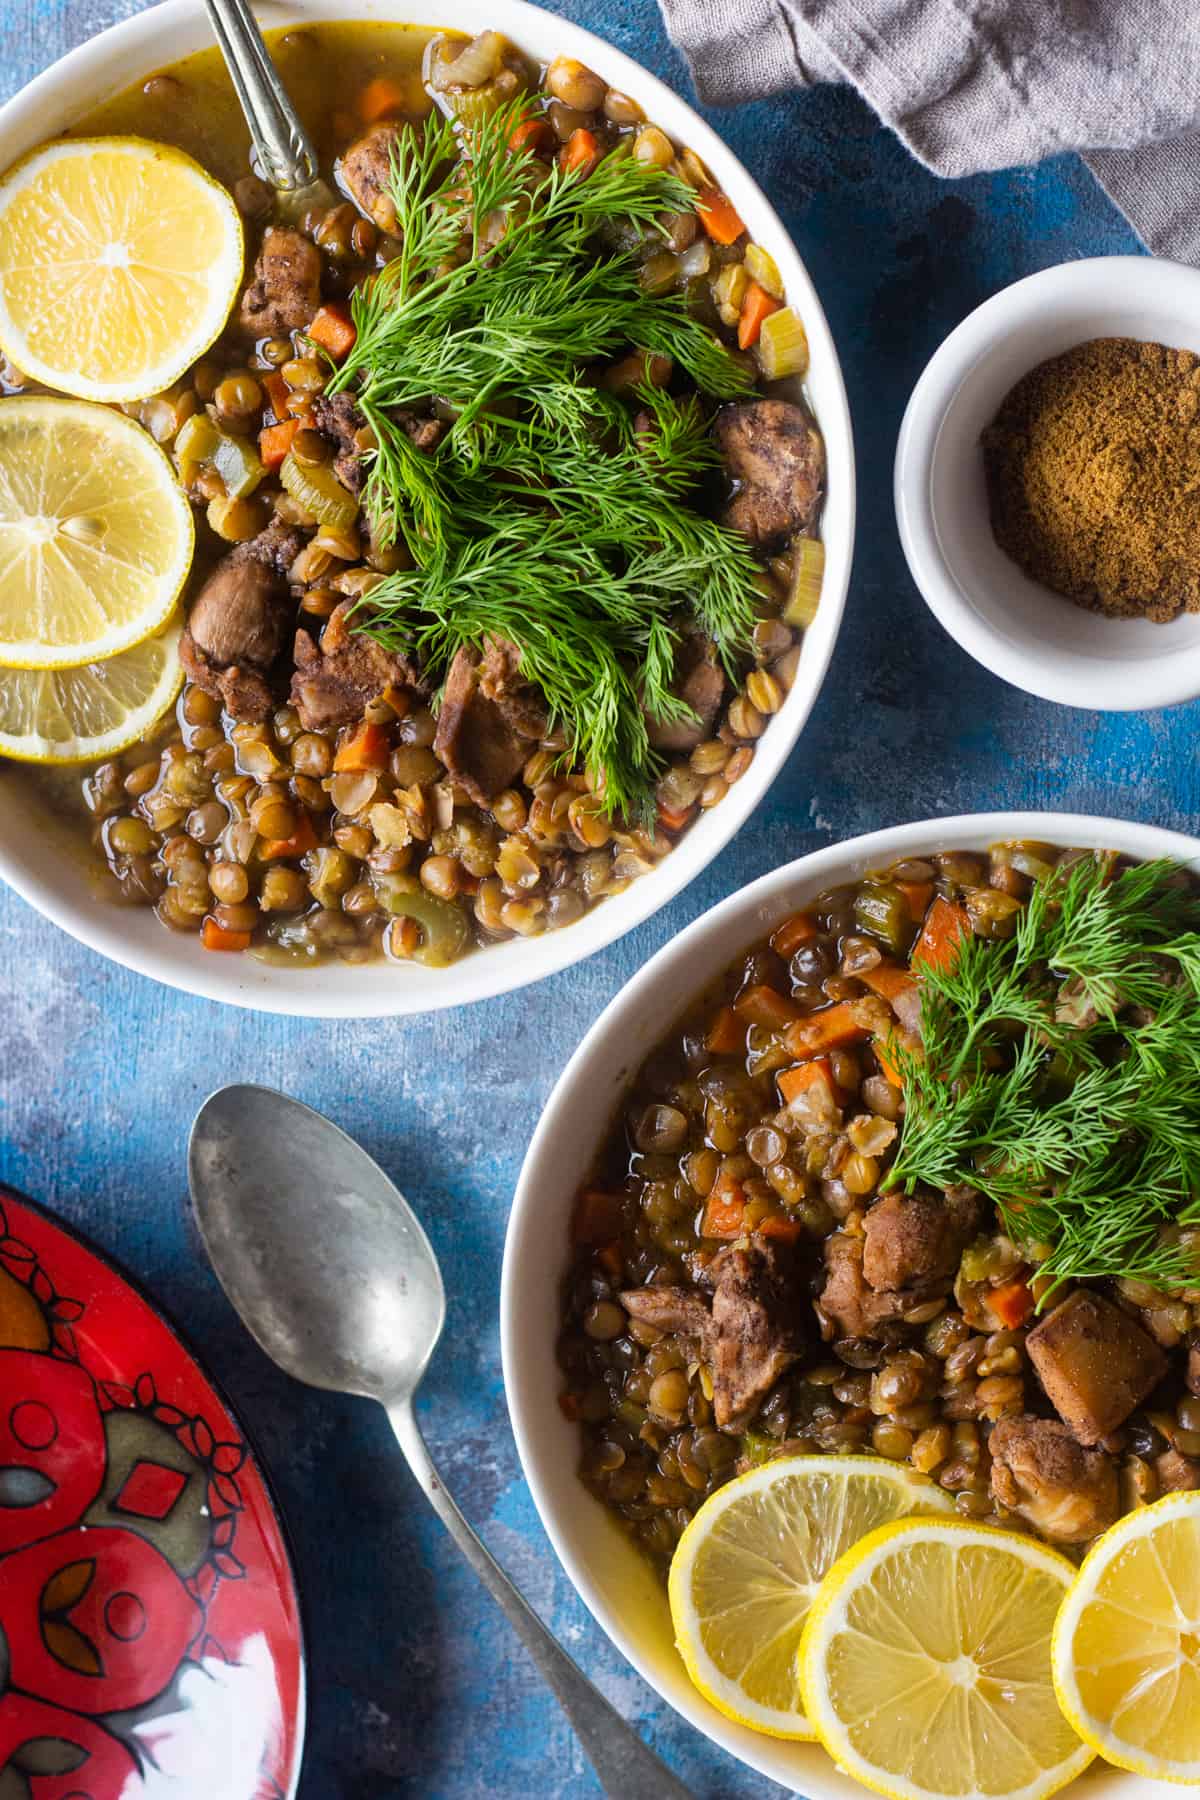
{"points": [[119, 262], [95, 533], [75, 715]]}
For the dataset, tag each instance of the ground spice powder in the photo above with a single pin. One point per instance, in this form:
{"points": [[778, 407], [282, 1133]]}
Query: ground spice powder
{"points": [[1093, 475]]}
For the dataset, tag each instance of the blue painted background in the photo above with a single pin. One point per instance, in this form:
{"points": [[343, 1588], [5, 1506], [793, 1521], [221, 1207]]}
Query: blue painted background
{"points": [[417, 1689]]}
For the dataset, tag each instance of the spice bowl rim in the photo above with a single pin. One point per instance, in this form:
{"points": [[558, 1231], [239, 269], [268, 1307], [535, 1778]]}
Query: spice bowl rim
{"points": [[47, 871], [611, 1577], [1019, 630]]}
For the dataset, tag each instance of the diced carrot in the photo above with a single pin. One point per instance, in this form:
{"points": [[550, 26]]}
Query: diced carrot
{"points": [[764, 1005], [806, 1077], [531, 134], [382, 98], [889, 981], [718, 216], [882, 1057], [568, 1405], [302, 840], [945, 925], [787, 938], [333, 329], [830, 1029], [1012, 1304], [780, 1227], [368, 748], [274, 442], [277, 391], [215, 937], [598, 1217], [723, 1211], [610, 1259], [580, 150], [757, 306], [918, 894], [726, 1034], [674, 818]]}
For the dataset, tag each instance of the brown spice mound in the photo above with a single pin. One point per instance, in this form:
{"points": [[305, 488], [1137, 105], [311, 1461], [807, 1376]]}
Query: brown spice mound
{"points": [[1093, 475]]}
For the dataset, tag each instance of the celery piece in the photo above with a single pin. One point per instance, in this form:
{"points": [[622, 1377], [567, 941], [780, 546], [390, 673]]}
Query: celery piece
{"points": [[808, 569], [782, 347], [319, 492], [238, 464], [198, 437], [761, 267]]}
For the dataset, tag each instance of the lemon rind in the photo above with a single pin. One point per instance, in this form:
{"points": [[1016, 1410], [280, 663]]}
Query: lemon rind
{"points": [[823, 1618], [716, 1687], [72, 382], [1131, 1526], [23, 750], [29, 654]]}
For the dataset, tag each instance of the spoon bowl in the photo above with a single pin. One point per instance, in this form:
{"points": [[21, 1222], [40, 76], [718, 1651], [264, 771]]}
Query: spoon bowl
{"points": [[317, 1249]]}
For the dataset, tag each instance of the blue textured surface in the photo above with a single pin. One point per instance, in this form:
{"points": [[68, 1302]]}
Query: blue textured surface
{"points": [[417, 1688]]}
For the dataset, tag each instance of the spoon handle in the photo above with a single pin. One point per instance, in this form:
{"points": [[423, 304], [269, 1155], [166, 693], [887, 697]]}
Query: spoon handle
{"points": [[285, 156], [624, 1765]]}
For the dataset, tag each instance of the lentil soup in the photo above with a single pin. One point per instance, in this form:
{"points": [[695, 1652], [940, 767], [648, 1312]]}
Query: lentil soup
{"points": [[756, 1271], [322, 793]]}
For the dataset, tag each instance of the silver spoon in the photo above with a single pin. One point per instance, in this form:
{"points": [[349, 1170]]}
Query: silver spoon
{"points": [[331, 1272], [283, 155]]}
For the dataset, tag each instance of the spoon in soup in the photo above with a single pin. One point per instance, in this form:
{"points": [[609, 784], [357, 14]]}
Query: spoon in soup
{"points": [[331, 1272], [283, 154]]}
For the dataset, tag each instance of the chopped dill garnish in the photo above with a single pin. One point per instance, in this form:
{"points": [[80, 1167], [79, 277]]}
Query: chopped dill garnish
{"points": [[548, 514], [1059, 1075]]}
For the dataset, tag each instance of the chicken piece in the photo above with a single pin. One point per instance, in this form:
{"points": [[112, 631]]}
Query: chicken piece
{"points": [[847, 1300], [364, 174], [670, 1309], [477, 738], [336, 679], [1095, 1363], [1177, 1474], [700, 681], [775, 460], [756, 1329], [501, 680], [914, 1242], [236, 627], [1065, 1492], [337, 417], [285, 290]]}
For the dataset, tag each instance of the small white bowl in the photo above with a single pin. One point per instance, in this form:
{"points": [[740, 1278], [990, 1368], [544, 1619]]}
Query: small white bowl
{"points": [[1018, 629], [611, 1576], [49, 872]]}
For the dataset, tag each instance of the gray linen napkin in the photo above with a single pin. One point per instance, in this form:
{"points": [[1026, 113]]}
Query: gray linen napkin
{"points": [[985, 84]]}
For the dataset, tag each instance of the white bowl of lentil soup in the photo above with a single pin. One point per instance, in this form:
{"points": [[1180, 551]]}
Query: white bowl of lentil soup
{"points": [[603, 1268], [137, 825]]}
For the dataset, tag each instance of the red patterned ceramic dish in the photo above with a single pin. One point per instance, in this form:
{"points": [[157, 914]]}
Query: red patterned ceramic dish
{"points": [[150, 1640]]}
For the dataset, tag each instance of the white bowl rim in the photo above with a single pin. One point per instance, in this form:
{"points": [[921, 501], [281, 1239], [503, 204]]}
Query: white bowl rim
{"points": [[1069, 681], [680, 970], [389, 990]]}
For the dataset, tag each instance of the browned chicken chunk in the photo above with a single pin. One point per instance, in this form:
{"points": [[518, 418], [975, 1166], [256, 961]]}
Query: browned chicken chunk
{"points": [[336, 679], [775, 459], [285, 290], [700, 682], [1177, 1474], [480, 737], [364, 174], [756, 1330], [1066, 1492], [669, 1309], [852, 1306], [1095, 1363], [914, 1242], [236, 627]]}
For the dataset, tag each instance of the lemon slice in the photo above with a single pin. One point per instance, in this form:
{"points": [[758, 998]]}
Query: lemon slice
{"points": [[745, 1571], [925, 1664], [119, 262], [74, 715], [1127, 1642], [95, 534]]}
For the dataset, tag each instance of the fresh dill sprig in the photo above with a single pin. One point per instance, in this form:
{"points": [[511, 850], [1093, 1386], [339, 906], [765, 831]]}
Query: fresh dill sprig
{"points": [[1059, 1074], [546, 515]]}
